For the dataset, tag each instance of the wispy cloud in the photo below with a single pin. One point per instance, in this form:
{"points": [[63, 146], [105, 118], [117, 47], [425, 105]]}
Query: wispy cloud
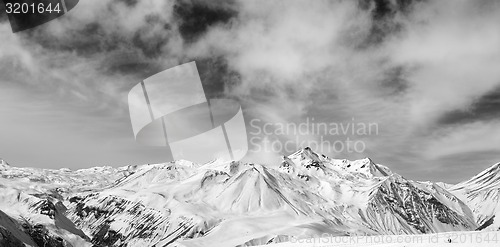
{"points": [[404, 67], [320, 60]]}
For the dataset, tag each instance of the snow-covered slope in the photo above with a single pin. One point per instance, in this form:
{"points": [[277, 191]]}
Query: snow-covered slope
{"points": [[384, 201], [222, 204], [4, 165], [482, 194], [454, 239]]}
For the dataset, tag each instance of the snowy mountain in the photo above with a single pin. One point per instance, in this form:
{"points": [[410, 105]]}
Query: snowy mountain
{"points": [[3, 164], [220, 204], [482, 194]]}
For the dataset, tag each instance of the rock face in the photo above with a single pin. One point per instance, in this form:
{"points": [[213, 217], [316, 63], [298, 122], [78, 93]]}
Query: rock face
{"points": [[223, 204]]}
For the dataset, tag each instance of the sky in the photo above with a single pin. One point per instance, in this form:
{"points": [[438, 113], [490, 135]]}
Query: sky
{"points": [[425, 72]]}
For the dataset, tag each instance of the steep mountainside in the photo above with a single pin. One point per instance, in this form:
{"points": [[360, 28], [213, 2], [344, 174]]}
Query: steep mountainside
{"points": [[482, 194]]}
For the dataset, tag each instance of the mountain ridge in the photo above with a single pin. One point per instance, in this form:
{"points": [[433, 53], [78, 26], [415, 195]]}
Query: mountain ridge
{"points": [[482, 193], [181, 203]]}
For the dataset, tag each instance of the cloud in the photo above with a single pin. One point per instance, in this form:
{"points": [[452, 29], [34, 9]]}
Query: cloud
{"points": [[428, 59], [468, 138], [282, 49], [452, 50], [285, 39], [64, 84], [401, 64]]}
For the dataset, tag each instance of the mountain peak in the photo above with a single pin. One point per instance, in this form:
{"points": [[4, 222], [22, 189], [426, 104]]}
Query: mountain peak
{"points": [[481, 194], [180, 201], [4, 164], [494, 169], [484, 180], [305, 154], [305, 161], [368, 167]]}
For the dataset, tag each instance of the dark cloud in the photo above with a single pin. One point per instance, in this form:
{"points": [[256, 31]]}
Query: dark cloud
{"points": [[399, 63], [196, 17], [151, 39], [486, 108], [3, 15], [387, 17], [216, 76], [393, 82], [86, 39]]}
